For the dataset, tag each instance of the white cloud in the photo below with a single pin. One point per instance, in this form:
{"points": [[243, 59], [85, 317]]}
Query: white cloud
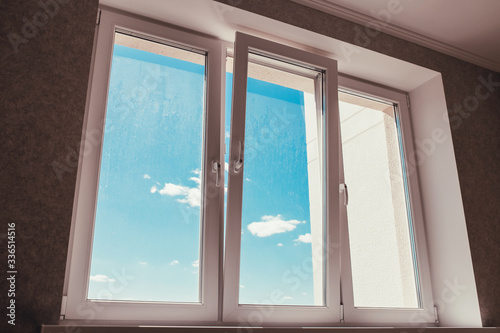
{"points": [[143, 263], [195, 263], [191, 195], [227, 135], [271, 225], [146, 176], [280, 244], [287, 297], [226, 166], [197, 180], [248, 179], [304, 294], [242, 286], [101, 278], [174, 262], [173, 190], [307, 238]]}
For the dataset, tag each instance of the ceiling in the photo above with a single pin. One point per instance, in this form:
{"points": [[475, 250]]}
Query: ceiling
{"points": [[466, 29]]}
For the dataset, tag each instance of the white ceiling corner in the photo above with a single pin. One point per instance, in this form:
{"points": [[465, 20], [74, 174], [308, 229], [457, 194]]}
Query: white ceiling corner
{"points": [[465, 29]]}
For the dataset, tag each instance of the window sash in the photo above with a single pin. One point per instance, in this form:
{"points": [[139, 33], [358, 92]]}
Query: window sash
{"points": [[424, 316], [78, 307], [271, 314]]}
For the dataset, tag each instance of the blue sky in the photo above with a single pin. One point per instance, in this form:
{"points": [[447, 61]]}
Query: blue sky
{"points": [[148, 212]]}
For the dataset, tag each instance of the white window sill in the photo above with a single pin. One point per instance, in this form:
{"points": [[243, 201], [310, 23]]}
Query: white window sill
{"points": [[231, 329]]}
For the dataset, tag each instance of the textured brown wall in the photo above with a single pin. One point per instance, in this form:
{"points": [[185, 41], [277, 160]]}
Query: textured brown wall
{"points": [[476, 134], [42, 94], [43, 88]]}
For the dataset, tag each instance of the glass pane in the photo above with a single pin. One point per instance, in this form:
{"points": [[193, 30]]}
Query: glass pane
{"points": [[380, 236], [282, 220], [147, 224]]}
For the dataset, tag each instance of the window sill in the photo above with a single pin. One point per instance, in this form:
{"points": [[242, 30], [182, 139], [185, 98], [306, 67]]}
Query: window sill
{"points": [[233, 329]]}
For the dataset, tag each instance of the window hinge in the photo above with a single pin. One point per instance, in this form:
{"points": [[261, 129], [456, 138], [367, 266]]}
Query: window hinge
{"points": [[63, 307], [341, 313], [98, 20], [343, 190], [408, 101], [436, 318]]}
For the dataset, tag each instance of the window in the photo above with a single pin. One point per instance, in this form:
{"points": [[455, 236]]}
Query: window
{"points": [[158, 123], [148, 238], [282, 161], [386, 274]]}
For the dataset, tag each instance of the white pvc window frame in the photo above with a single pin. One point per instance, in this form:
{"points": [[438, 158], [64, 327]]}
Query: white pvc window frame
{"points": [[424, 315], [214, 308], [270, 315], [78, 307]]}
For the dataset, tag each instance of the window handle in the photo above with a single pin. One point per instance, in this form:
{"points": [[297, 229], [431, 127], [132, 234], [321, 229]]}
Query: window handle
{"points": [[238, 163], [216, 170], [343, 189]]}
